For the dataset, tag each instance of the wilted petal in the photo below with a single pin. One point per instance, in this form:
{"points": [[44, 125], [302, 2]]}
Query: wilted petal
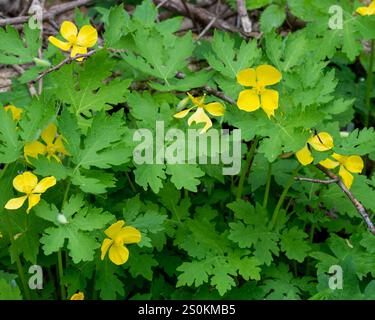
{"points": [[182, 113], [34, 149], [248, 100], [16, 112], [118, 254], [304, 156], [48, 134], [267, 75], [59, 145], [247, 77]]}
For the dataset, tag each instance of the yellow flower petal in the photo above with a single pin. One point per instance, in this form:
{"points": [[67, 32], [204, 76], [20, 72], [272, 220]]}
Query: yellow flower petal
{"points": [[105, 246], [33, 201], [78, 296], [15, 203], [340, 158], [323, 141], [354, 164], [64, 46], [78, 50], [248, 100], [215, 108], [267, 75], [49, 134], [199, 116], [59, 145], [363, 11], [329, 164], [269, 101], [247, 77], [346, 177], [69, 31], [87, 36], [130, 235], [182, 113], [197, 101], [16, 112], [34, 149], [25, 182], [304, 156], [44, 184], [114, 229], [118, 254]]}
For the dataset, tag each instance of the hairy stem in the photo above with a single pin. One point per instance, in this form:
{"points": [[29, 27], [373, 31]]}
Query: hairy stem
{"points": [[283, 196], [369, 83], [245, 169], [21, 273]]}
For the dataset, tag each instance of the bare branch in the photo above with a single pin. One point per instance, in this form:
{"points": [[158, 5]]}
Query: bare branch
{"points": [[62, 63], [358, 205], [330, 181]]}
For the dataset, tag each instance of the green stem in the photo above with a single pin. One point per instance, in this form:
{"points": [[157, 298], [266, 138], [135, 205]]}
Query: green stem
{"points": [[268, 185], [244, 171], [131, 183], [61, 274], [369, 83], [3, 170], [282, 197], [21, 273]]}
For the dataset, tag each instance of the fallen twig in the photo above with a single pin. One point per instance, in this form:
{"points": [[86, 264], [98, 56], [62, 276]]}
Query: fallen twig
{"points": [[330, 181], [244, 17], [50, 14]]}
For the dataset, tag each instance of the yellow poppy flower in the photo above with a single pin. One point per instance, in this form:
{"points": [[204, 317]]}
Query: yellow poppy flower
{"points": [[367, 11], [322, 141], [78, 296], [200, 116], [259, 96], [77, 41], [117, 237], [16, 112], [347, 164], [53, 145], [27, 183]]}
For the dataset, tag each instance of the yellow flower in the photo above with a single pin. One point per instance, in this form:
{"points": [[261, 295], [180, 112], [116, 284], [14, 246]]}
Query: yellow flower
{"points": [[200, 116], [258, 96], [78, 296], [53, 145], [77, 41], [322, 141], [27, 183], [117, 237], [347, 164], [367, 11], [16, 112]]}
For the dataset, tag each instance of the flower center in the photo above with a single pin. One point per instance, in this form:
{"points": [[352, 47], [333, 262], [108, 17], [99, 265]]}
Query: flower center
{"points": [[259, 89], [51, 150], [118, 241], [72, 39]]}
